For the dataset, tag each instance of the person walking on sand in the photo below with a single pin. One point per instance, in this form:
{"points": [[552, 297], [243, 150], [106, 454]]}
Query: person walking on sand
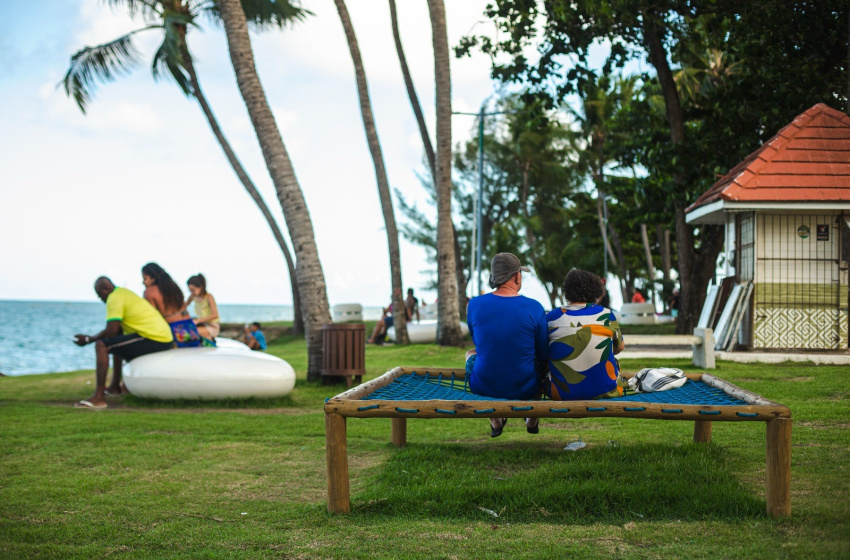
{"points": [[133, 328], [206, 310], [511, 342]]}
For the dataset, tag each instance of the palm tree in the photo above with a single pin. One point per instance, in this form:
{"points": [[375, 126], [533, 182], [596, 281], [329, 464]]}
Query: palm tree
{"points": [[311, 279], [105, 62], [600, 102], [426, 142], [399, 312], [448, 315]]}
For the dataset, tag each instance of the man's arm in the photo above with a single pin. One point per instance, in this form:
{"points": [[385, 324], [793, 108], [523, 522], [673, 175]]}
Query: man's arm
{"points": [[113, 328]]}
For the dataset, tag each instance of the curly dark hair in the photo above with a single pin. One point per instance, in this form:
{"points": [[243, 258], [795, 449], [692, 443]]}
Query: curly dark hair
{"points": [[172, 295], [581, 286]]}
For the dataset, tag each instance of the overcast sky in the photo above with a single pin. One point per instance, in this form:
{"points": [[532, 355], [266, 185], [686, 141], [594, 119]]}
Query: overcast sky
{"points": [[140, 176]]}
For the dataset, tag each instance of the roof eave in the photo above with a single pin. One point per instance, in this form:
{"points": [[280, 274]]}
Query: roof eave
{"points": [[713, 213]]}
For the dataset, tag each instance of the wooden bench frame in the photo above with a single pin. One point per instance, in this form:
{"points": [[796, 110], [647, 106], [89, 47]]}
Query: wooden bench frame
{"points": [[702, 342], [349, 404]]}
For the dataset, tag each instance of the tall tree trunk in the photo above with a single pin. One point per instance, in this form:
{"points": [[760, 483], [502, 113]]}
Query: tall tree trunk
{"points": [[399, 313], [429, 150], [603, 228], [298, 319], [626, 279], [613, 238], [664, 247], [411, 93], [448, 320], [311, 279], [696, 267], [650, 267]]}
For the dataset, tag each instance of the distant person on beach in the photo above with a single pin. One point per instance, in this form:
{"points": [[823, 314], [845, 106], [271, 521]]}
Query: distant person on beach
{"points": [[511, 343], [673, 303], [583, 336], [206, 310], [165, 295], [379, 333], [254, 337], [411, 305], [133, 328]]}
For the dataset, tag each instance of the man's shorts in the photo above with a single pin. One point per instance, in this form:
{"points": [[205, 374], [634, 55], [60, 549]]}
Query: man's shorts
{"points": [[130, 346]]}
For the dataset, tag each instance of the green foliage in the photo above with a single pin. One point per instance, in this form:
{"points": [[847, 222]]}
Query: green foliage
{"points": [[745, 69], [105, 63], [102, 63]]}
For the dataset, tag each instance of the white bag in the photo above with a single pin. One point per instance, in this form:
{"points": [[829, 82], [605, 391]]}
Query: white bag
{"points": [[649, 380]]}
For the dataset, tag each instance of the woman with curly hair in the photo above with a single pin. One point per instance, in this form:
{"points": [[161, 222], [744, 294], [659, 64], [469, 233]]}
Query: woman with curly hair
{"points": [[165, 295], [583, 339]]}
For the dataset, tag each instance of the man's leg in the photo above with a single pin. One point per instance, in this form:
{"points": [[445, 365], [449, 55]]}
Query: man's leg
{"points": [[115, 387], [377, 331], [101, 367], [254, 344]]}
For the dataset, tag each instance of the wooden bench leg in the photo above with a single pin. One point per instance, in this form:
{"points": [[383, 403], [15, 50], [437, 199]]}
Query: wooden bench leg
{"points": [[399, 432], [702, 431], [337, 452], [778, 480]]}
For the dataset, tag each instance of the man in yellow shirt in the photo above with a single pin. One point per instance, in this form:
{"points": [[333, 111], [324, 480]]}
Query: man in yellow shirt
{"points": [[133, 328]]}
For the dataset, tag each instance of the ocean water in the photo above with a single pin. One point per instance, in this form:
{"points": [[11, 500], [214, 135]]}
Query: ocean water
{"points": [[36, 336]]}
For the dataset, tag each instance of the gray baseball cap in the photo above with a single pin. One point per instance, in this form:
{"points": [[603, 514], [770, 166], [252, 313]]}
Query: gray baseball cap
{"points": [[503, 267]]}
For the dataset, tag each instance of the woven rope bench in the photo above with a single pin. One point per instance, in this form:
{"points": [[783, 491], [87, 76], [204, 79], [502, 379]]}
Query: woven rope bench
{"points": [[406, 392]]}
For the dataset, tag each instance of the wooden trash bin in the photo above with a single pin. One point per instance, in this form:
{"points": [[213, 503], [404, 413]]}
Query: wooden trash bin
{"points": [[344, 350]]}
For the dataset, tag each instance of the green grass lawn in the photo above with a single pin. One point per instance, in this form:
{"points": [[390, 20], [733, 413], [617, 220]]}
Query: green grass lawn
{"points": [[246, 479]]}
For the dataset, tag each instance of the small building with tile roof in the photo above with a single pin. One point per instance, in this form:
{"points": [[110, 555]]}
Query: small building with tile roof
{"points": [[786, 209]]}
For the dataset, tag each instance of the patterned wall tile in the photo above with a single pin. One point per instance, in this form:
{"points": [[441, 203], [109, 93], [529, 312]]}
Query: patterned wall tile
{"points": [[810, 329]]}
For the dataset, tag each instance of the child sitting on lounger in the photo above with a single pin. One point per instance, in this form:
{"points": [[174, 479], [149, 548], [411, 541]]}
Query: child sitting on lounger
{"points": [[583, 339]]}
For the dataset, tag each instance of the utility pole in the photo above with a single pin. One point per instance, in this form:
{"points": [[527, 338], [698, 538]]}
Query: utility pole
{"points": [[478, 211]]}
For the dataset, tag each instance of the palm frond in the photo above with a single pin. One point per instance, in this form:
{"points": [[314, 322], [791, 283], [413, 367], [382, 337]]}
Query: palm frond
{"points": [[148, 9], [168, 59], [100, 64], [263, 14]]}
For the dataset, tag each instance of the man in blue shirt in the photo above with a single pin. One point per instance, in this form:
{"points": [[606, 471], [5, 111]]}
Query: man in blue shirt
{"points": [[511, 339], [254, 337]]}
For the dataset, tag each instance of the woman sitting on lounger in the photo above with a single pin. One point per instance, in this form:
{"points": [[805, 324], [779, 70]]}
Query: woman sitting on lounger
{"points": [[583, 339], [509, 332], [165, 295]]}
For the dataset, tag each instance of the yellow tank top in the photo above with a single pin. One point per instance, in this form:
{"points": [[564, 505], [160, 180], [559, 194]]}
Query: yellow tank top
{"points": [[202, 309]]}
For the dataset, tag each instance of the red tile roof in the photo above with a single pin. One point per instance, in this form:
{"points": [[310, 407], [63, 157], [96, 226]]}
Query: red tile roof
{"points": [[808, 160]]}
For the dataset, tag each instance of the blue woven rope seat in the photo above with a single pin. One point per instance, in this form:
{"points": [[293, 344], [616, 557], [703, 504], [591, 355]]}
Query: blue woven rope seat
{"points": [[405, 393], [449, 387]]}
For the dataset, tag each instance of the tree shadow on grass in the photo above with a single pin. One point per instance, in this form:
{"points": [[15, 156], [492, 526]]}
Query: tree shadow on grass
{"points": [[525, 483]]}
